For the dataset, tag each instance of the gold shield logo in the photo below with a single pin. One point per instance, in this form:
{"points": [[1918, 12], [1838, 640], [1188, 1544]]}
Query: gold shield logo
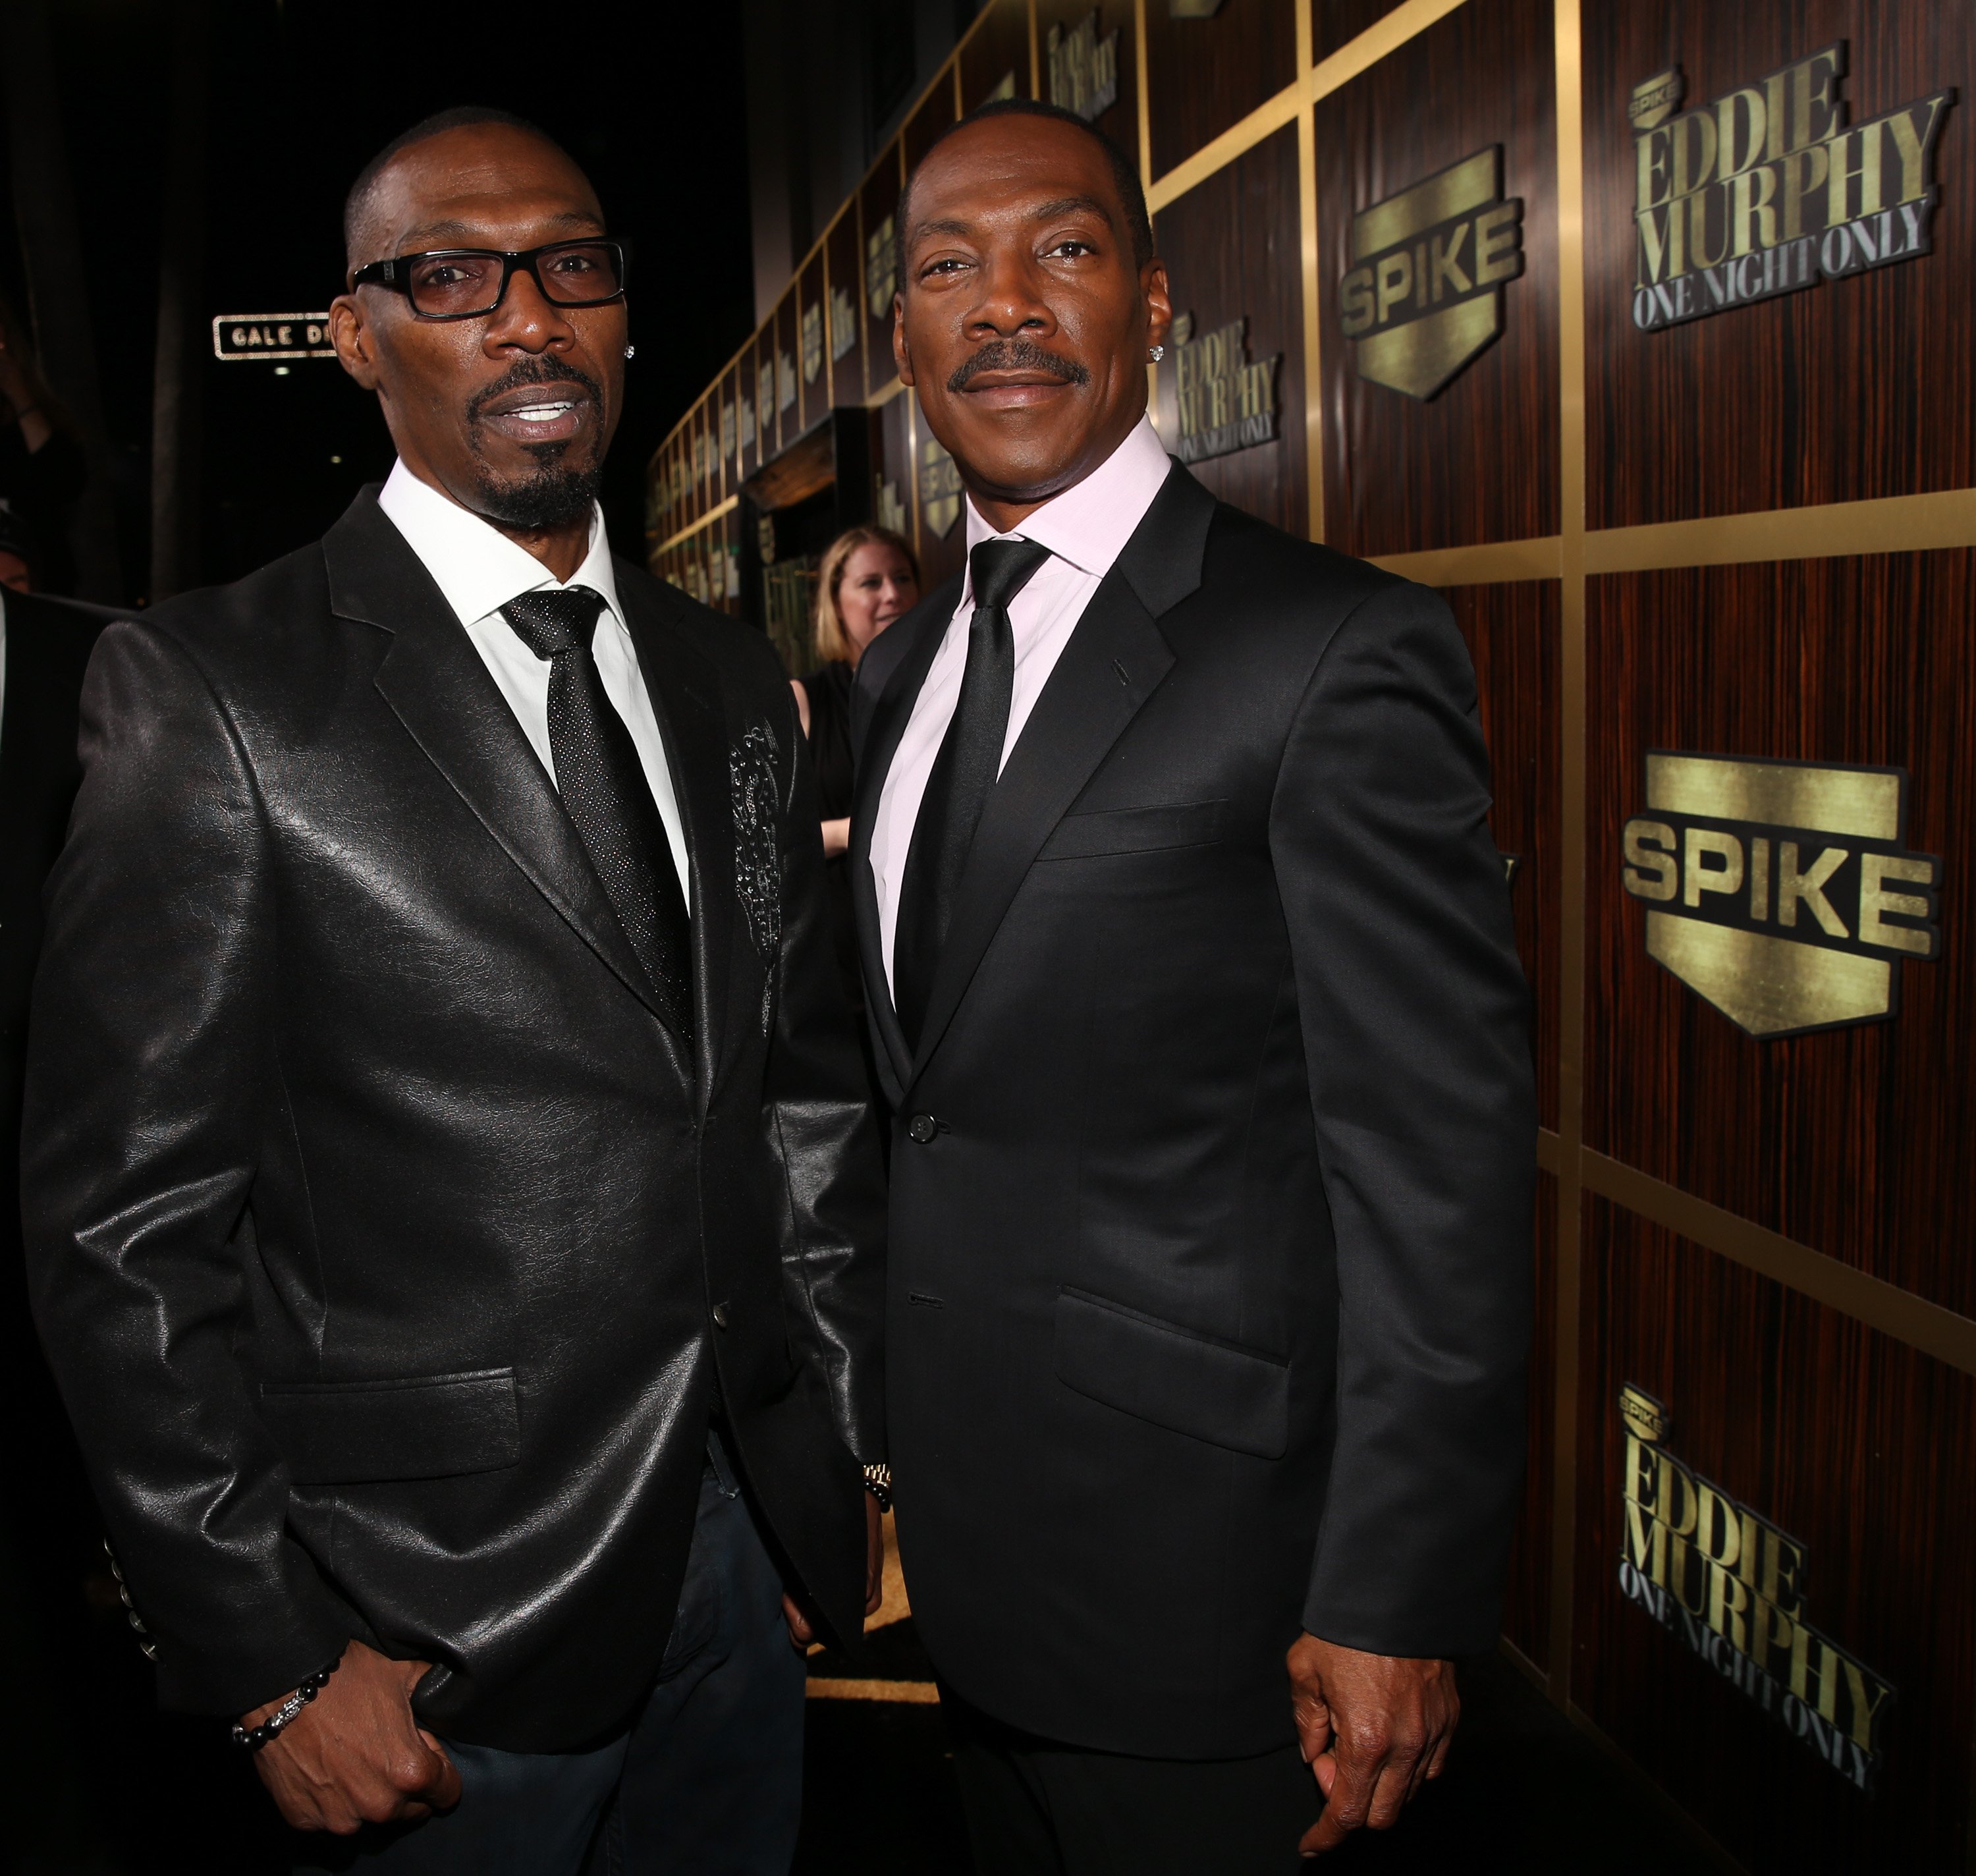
{"points": [[1424, 292], [881, 269], [812, 343], [940, 488], [1781, 893]]}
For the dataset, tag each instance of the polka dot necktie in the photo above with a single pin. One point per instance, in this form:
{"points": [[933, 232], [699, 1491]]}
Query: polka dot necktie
{"points": [[603, 785]]}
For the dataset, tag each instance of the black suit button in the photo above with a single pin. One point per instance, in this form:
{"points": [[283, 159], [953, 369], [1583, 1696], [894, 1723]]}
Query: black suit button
{"points": [[921, 1129], [721, 1315]]}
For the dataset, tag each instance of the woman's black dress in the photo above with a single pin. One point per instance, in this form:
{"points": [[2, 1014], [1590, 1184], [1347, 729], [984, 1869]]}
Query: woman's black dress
{"points": [[828, 689]]}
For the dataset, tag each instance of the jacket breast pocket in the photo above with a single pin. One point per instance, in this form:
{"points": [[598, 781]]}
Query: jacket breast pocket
{"points": [[1135, 830], [1175, 1378], [430, 1426]]}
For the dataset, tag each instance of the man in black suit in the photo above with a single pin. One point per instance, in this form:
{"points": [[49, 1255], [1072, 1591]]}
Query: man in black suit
{"points": [[452, 1208], [1190, 966]]}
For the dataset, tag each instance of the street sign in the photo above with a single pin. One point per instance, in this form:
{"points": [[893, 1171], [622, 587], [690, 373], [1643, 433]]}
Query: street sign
{"points": [[272, 336]]}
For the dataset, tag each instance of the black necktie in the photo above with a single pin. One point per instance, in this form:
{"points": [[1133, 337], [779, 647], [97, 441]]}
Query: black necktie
{"points": [[603, 785], [962, 776]]}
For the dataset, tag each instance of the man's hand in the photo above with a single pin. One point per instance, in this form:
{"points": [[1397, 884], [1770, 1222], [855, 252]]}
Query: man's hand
{"points": [[355, 1754], [802, 1633], [1373, 1728]]}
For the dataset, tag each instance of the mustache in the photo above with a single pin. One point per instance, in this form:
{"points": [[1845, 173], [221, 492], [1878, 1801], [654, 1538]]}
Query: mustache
{"points": [[1015, 355], [527, 372]]}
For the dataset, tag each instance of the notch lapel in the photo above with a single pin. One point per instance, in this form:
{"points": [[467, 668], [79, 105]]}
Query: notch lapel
{"points": [[1115, 659], [928, 626], [435, 684], [685, 691]]}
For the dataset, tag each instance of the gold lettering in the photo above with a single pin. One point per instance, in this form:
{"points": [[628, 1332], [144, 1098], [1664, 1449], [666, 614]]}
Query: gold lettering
{"points": [[1752, 223], [1445, 262], [1866, 1707], [1646, 1543], [1781, 1566], [1914, 150], [1395, 278], [1663, 241], [1693, 138], [1650, 150], [1354, 301], [1739, 112], [1867, 140], [1419, 273], [1716, 1534], [1677, 1493], [1807, 888], [1650, 870], [1822, 1668], [1760, 878], [1496, 255], [1728, 1600], [1771, 1632], [1805, 172], [1681, 1555], [1698, 217], [1814, 100], [1698, 877], [1874, 868]]}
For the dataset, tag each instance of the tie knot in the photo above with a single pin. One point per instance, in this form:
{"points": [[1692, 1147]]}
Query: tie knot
{"points": [[547, 623], [1001, 569]]}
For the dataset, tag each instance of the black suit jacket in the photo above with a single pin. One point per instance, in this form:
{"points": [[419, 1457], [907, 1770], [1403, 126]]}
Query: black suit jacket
{"points": [[390, 1252], [1210, 1226]]}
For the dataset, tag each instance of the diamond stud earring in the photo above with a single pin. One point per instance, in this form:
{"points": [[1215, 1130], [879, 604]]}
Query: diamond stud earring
{"points": [[630, 351], [1157, 353]]}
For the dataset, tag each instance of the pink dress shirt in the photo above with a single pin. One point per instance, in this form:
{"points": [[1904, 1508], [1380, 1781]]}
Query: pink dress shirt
{"points": [[1086, 530]]}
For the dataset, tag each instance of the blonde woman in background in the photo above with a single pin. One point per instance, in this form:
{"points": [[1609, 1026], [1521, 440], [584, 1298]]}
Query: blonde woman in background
{"points": [[869, 577]]}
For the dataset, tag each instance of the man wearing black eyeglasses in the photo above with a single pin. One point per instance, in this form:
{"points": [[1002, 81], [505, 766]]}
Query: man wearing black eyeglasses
{"points": [[452, 1209]]}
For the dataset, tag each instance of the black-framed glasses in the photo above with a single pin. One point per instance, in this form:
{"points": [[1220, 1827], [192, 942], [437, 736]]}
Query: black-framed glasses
{"points": [[468, 283]]}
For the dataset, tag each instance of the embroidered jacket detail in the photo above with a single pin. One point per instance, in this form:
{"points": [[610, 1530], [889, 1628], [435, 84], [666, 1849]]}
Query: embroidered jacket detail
{"points": [[757, 882]]}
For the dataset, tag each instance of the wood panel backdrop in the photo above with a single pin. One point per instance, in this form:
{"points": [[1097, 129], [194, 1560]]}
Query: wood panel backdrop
{"points": [[1747, 535]]}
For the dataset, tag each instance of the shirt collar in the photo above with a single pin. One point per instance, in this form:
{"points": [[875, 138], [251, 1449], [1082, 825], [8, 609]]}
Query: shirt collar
{"points": [[475, 565], [1090, 522]]}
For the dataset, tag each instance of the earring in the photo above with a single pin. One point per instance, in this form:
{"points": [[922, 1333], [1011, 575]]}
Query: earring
{"points": [[1157, 353], [630, 351]]}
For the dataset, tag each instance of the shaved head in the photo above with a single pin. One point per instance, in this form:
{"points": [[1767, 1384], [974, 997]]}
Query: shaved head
{"points": [[361, 236]]}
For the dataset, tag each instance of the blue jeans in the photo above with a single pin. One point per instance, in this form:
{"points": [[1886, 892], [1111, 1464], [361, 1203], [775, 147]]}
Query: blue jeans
{"points": [[708, 1781]]}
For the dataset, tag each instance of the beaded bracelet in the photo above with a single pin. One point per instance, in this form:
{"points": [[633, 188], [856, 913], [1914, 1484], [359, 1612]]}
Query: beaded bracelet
{"points": [[254, 1738]]}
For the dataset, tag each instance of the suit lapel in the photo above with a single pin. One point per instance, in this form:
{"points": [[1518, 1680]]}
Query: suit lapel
{"points": [[1114, 661], [926, 626], [434, 681], [685, 691]]}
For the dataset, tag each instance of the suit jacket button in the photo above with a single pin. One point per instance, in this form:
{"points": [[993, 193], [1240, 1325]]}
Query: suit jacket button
{"points": [[721, 1315], [921, 1129]]}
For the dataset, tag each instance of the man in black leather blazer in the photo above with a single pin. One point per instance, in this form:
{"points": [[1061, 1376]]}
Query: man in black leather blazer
{"points": [[449, 1281], [1207, 1037]]}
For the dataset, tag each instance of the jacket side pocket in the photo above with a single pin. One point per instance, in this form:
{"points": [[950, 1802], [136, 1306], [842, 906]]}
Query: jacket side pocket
{"points": [[429, 1426], [1175, 1378]]}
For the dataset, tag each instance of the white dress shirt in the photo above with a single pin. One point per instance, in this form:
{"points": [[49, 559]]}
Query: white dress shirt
{"points": [[479, 570], [1086, 530]]}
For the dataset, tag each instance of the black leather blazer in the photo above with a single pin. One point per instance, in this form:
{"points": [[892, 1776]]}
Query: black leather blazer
{"points": [[390, 1254], [1210, 1272]]}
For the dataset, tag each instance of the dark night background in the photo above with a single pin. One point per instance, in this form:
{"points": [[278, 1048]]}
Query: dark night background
{"points": [[646, 98]]}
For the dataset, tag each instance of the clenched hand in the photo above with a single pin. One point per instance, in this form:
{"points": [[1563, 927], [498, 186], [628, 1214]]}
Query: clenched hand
{"points": [[355, 1754], [1374, 1728]]}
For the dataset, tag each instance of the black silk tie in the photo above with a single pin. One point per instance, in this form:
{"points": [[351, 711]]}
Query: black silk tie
{"points": [[603, 785], [962, 776]]}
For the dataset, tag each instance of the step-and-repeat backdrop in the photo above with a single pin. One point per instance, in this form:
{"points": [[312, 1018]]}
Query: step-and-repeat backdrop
{"points": [[1645, 331]]}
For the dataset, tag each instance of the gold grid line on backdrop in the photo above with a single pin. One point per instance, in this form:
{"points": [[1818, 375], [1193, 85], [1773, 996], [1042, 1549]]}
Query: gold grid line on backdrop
{"points": [[1572, 558]]}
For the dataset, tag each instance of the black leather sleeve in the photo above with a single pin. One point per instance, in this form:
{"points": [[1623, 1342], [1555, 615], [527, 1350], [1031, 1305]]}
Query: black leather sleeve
{"points": [[1415, 1016], [149, 1066], [823, 1132]]}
